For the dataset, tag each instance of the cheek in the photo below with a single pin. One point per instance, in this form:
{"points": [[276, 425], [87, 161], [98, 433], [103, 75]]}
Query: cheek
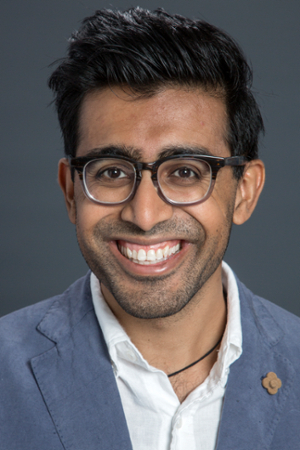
{"points": [[89, 214], [220, 205], [214, 215], [209, 215]]}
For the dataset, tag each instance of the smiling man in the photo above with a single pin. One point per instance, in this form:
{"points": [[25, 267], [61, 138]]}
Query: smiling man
{"points": [[159, 346]]}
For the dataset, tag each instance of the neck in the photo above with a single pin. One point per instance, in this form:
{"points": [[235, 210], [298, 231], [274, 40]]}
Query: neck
{"points": [[174, 342]]}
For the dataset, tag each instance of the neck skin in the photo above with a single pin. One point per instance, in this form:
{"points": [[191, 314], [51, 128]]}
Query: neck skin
{"points": [[172, 343]]}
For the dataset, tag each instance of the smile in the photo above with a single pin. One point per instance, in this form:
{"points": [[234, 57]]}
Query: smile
{"points": [[146, 255]]}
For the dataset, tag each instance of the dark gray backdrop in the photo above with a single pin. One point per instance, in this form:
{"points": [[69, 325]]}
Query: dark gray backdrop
{"points": [[38, 245]]}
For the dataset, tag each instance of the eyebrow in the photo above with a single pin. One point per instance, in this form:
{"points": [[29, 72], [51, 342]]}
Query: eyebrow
{"points": [[184, 150], [115, 150], [137, 154]]}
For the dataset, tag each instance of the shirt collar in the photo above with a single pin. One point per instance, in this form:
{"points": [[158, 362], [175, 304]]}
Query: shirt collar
{"points": [[231, 346]]}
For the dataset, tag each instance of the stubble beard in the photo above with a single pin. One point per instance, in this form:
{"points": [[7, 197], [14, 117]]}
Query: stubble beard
{"points": [[153, 297]]}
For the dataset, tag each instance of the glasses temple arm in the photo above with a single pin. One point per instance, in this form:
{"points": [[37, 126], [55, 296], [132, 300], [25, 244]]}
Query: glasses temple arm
{"points": [[235, 161]]}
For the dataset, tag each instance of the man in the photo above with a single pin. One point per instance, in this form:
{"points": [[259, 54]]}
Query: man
{"points": [[159, 346]]}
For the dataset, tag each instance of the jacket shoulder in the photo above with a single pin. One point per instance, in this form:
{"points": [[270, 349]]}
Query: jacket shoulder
{"points": [[16, 325], [276, 325], [287, 320], [19, 329]]}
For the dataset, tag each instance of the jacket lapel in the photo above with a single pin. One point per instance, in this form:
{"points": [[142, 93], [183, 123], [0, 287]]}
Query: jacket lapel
{"points": [[250, 414], [75, 376]]}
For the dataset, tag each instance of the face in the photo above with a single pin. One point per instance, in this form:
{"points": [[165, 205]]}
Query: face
{"points": [[184, 245]]}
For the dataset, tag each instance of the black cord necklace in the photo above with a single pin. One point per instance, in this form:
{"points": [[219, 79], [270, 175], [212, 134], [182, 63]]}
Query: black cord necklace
{"points": [[198, 360], [206, 354]]}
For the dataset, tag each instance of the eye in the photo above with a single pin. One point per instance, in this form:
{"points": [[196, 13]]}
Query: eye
{"points": [[109, 173], [112, 173], [185, 172]]}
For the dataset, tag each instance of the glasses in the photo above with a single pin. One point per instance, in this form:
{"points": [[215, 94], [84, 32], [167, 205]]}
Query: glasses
{"points": [[179, 179]]}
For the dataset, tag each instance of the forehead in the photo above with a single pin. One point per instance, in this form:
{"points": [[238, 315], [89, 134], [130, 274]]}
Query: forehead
{"points": [[171, 118]]}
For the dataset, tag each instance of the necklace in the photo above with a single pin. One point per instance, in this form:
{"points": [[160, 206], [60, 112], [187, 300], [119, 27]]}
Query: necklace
{"points": [[198, 360], [209, 351]]}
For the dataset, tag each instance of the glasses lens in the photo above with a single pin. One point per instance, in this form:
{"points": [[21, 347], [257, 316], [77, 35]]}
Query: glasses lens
{"points": [[109, 180], [184, 180]]}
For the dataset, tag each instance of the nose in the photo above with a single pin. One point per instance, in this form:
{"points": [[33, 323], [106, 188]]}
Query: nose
{"points": [[146, 209]]}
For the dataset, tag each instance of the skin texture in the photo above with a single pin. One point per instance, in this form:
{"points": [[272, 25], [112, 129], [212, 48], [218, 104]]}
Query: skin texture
{"points": [[173, 311]]}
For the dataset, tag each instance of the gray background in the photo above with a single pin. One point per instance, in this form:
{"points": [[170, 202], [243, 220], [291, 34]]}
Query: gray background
{"points": [[39, 255]]}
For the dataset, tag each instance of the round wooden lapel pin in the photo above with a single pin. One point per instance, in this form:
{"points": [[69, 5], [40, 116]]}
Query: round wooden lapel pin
{"points": [[272, 383]]}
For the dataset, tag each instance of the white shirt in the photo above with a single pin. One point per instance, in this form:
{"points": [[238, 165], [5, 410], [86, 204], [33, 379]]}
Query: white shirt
{"points": [[155, 417]]}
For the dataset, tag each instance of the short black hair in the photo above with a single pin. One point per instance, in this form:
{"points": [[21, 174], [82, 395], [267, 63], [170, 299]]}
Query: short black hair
{"points": [[147, 51]]}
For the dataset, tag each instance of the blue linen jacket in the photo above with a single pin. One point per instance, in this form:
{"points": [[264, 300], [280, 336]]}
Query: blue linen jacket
{"points": [[58, 390]]}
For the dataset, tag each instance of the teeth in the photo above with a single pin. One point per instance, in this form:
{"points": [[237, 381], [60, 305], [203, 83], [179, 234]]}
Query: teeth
{"points": [[159, 254], [141, 256], [152, 256]]}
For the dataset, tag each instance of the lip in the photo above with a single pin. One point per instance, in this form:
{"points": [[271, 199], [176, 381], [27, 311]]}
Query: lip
{"points": [[158, 268]]}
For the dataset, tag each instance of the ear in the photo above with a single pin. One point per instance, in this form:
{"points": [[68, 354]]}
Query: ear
{"points": [[248, 191], [67, 186]]}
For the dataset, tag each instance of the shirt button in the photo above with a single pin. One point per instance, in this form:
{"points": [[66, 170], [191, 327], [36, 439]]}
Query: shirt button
{"points": [[114, 367]]}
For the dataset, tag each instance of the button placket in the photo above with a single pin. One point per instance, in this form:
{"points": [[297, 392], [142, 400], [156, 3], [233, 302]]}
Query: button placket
{"points": [[114, 367]]}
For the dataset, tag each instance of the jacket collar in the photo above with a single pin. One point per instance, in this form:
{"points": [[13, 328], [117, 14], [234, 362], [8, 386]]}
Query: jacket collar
{"points": [[76, 378], [250, 413]]}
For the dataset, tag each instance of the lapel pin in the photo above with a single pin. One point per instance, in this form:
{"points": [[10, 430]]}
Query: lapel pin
{"points": [[272, 383]]}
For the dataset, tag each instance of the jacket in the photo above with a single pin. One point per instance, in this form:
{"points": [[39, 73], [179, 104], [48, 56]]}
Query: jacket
{"points": [[58, 390]]}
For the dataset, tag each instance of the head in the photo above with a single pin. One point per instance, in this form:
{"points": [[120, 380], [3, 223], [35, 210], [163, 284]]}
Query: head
{"points": [[149, 51], [146, 84]]}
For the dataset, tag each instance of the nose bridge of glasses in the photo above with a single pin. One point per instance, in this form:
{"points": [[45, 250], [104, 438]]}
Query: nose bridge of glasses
{"points": [[152, 167]]}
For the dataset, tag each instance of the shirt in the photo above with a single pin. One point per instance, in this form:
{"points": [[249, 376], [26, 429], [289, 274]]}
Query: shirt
{"points": [[155, 417]]}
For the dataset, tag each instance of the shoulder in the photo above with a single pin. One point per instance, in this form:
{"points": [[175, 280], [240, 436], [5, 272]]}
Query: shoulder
{"points": [[16, 326], [19, 330], [276, 325], [288, 322]]}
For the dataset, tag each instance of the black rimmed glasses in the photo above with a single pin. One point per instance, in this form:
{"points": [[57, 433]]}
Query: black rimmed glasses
{"points": [[179, 179]]}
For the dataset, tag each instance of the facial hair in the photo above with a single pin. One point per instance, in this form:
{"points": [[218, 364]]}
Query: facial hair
{"points": [[152, 297]]}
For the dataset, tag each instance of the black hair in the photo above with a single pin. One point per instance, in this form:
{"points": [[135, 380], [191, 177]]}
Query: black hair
{"points": [[147, 51]]}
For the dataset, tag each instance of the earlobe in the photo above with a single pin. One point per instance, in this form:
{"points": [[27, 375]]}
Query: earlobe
{"points": [[67, 186], [248, 191]]}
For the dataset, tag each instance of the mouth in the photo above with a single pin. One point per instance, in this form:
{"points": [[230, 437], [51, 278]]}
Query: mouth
{"points": [[146, 255]]}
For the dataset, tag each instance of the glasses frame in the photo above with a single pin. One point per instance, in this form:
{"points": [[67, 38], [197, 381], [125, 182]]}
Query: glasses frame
{"points": [[215, 162]]}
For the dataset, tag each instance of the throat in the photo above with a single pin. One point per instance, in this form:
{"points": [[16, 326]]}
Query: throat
{"points": [[186, 382]]}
